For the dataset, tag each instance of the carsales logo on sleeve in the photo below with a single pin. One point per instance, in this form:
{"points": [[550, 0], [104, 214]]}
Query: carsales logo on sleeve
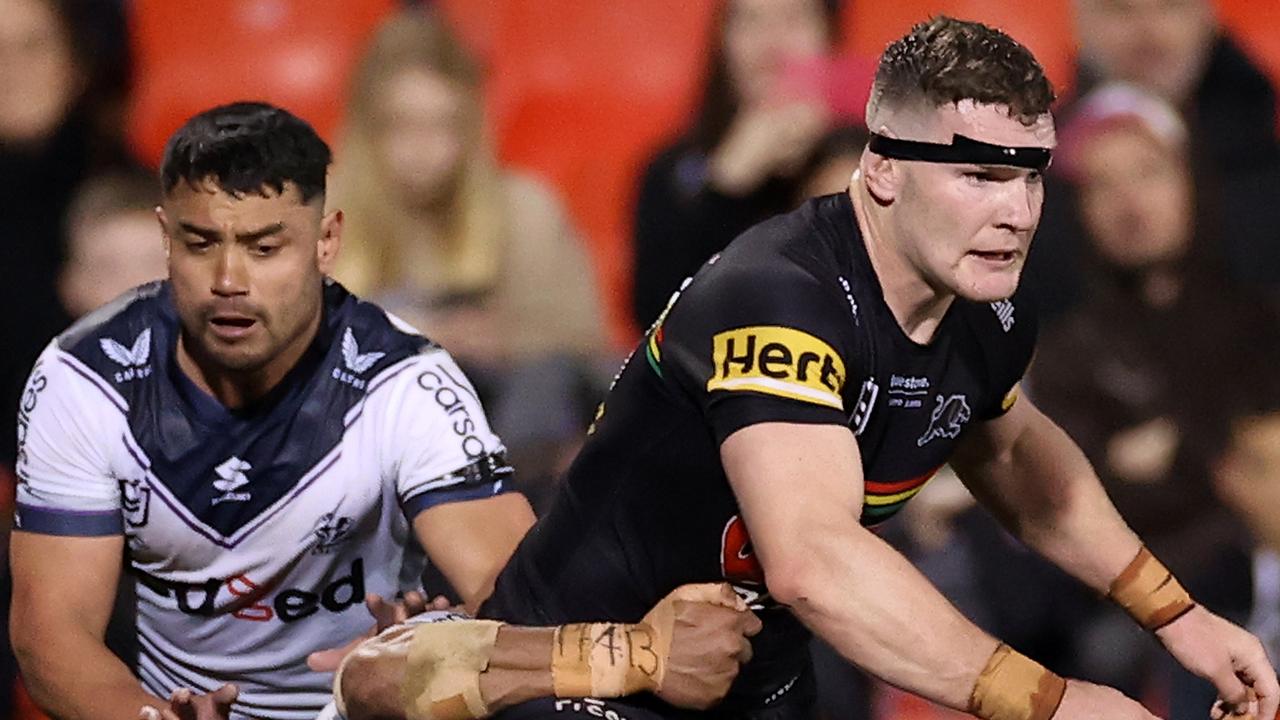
{"points": [[451, 394]]}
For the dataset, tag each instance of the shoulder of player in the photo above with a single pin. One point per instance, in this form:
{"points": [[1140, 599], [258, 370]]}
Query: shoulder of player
{"points": [[368, 340], [120, 336]]}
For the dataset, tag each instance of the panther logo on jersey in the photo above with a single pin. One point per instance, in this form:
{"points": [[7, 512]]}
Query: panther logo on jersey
{"points": [[134, 359], [947, 419]]}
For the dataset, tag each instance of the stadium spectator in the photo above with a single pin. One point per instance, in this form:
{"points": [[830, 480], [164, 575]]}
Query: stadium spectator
{"points": [[1145, 373], [484, 260], [744, 157], [1176, 49], [112, 242], [62, 74]]}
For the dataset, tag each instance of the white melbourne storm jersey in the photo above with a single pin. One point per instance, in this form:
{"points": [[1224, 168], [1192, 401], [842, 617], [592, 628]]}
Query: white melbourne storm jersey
{"points": [[253, 536]]}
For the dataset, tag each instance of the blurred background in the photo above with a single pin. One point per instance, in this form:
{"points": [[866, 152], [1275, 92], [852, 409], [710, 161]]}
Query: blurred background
{"points": [[527, 181]]}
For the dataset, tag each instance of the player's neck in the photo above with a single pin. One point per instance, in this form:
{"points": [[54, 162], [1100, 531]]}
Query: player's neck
{"points": [[237, 389], [916, 305]]}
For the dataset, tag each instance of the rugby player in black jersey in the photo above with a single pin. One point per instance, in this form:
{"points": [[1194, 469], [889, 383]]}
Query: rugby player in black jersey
{"points": [[807, 382], [812, 377]]}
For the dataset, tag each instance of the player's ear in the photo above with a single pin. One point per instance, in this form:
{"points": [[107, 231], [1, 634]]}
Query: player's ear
{"points": [[883, 176], [330, 241], [164, 230]]}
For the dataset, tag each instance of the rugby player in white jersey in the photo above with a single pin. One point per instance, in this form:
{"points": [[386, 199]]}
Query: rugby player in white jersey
{"points": [[260, 446]]}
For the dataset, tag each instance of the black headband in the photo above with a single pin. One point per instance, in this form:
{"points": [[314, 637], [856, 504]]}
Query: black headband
{"points": [[962, 150]]}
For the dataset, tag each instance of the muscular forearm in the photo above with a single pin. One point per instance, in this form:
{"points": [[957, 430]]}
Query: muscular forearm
{"points": [[879, 612], [79, 679]]}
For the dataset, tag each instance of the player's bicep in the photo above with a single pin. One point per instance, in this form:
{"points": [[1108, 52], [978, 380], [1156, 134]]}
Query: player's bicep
{"points": [[62, 584], [470, 541], [788, 479], [66, 486]]}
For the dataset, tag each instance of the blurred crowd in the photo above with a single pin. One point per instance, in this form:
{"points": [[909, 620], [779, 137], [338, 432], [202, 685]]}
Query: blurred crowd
{"points": [[1157, 267]]}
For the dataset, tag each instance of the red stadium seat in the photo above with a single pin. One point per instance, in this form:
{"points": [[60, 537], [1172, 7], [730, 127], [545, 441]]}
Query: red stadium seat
{"points": [[1045, 27], [191, 55], [1257, 26], [580, 92]]}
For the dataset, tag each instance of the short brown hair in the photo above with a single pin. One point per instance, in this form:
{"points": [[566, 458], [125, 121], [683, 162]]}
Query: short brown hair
{"points": [[943, 61]]}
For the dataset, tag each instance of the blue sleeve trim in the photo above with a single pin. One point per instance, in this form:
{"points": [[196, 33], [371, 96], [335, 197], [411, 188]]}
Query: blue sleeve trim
{"points": [[78, 523], [431, 498]]}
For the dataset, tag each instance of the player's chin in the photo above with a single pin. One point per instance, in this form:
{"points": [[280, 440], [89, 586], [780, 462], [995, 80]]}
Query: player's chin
{"points": [[989, 284], [235, 356]]}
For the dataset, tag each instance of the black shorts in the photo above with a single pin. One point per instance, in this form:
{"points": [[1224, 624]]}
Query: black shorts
{"points": [[795, 701], [575, 709]]}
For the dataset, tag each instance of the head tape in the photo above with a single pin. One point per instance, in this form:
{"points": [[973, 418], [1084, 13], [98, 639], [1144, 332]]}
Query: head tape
{"points": [[962, 151]]}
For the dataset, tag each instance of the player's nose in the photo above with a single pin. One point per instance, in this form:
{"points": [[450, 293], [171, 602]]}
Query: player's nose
{"points": [[230, 272], [1020, 203]]}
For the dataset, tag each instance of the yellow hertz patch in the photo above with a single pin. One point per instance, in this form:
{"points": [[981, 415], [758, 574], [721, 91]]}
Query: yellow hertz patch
{"points": [[778, 361]]}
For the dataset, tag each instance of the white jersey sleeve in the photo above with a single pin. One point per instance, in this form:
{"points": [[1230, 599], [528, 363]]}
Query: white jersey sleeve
{"points": [[66, 420], [436, 436]]}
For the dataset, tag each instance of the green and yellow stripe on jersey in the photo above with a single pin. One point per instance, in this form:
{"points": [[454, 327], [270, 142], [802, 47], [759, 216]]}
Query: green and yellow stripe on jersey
{"points": [[880, 500], [653, 349]]}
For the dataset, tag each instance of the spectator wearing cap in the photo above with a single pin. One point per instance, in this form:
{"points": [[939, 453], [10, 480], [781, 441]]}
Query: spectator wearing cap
{"points": [[1146, 372]]}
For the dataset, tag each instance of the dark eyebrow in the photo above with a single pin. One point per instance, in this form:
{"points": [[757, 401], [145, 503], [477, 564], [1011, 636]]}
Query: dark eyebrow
{"points": [[247, 237], [255, 235]]}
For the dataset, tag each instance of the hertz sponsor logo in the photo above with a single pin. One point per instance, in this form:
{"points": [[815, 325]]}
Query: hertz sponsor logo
{"points": [[778, 361]]}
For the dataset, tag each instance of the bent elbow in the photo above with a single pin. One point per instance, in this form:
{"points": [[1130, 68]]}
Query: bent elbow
{"points": [[794, 582]]}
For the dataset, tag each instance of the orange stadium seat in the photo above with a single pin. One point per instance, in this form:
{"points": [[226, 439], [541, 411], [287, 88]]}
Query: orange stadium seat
{"points": [[580, 92], [1257, 26], [1044, 26], [192, 54]]}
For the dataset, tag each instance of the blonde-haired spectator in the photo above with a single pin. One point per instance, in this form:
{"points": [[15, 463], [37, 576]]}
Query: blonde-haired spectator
{"points": [[483, 260]]}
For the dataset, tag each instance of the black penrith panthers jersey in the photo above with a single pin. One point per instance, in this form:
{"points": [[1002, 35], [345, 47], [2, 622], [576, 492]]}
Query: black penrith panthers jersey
{"points": [[788, 324]]}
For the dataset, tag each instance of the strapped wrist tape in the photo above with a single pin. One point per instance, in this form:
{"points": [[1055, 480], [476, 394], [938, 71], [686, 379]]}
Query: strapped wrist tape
{"points": [[1149, 592], [606, 660], [615, 659], [1014, 687], [442, 676]]}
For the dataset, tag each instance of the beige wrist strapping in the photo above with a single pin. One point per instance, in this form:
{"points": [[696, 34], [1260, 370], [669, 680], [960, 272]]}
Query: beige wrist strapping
{"points": [[1014, 687], [442, 676], [605, 660], [442, 666], [1149, 592], [615, 659]]}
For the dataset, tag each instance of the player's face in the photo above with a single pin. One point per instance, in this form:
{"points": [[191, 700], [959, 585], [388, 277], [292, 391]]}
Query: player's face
{"points": [[967, 228], [247, 273], [1135, 198]]}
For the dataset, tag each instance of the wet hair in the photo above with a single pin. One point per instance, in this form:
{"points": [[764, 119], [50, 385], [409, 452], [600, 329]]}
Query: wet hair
{"points": [[247, 147], [943, 61]]}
